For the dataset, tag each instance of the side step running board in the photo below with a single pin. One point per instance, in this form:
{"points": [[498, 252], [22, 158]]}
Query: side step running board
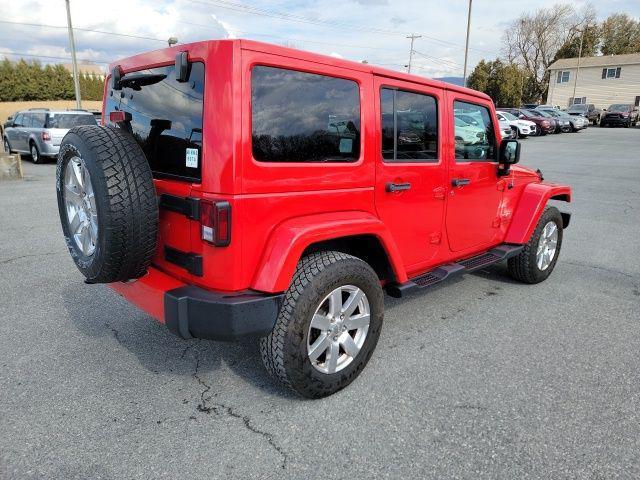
{"points": [[495, 255]]}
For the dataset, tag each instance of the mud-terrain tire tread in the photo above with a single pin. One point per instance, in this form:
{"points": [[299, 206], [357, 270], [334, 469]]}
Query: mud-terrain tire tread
{"points": [[126, 202], [281, 348], [523, 266]]}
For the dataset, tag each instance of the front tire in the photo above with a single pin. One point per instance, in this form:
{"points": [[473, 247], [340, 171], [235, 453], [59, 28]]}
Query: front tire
{"points": [[328, 326], [539, 256]]}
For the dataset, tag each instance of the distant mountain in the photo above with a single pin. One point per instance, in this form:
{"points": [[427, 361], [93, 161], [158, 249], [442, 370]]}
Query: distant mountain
{"points": [[455, 80]]}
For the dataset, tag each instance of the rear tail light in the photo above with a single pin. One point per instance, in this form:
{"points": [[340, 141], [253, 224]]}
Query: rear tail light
{"points": [[119, 116], [215, 222], [45, 136]]}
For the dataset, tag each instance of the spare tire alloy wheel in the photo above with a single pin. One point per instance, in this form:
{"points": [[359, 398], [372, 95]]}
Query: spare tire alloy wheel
{"points": [[107, 203], [80, 203]]}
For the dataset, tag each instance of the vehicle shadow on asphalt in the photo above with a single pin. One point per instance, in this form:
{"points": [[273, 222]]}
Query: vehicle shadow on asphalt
{"points": [[97, 312]]}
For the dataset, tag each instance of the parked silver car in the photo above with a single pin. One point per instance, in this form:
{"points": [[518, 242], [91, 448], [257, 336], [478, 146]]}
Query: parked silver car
{"points": [[38, 132]]}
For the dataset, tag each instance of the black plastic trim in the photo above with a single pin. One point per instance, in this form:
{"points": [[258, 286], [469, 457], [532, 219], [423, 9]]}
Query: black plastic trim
{"points": [[192, 312], [566, 218], [188, 206], [191, 262]]}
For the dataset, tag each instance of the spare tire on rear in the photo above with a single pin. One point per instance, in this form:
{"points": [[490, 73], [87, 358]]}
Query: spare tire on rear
{"points": [[107, 203]]}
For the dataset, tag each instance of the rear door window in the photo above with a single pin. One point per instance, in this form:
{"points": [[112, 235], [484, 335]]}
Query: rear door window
{"points": [[166, 118], [303, 117], [38, 120]]}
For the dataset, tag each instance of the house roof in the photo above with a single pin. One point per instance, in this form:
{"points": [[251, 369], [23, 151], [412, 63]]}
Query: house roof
{"points": [[601, 61]]}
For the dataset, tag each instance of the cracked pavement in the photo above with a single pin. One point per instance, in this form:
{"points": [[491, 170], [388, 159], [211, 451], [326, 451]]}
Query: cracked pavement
{"points": [[480, 377]]}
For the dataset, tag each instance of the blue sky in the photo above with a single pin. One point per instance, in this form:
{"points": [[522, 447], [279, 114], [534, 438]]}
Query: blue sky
{"points": [[372, 30]]}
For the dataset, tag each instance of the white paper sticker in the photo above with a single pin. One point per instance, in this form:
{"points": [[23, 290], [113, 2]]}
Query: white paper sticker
{"points": [[192, 158]]}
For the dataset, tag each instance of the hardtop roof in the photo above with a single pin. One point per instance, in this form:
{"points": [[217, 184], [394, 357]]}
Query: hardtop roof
{"points": [[269, 48]]}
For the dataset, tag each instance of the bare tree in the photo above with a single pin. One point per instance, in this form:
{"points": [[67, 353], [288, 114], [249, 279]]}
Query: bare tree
{"points": [[533, 39]]}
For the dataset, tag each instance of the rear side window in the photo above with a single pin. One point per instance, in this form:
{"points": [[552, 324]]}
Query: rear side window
{"points": [[303, 117], [38, 120], [409, 126], [474, 135], [166, 118], [68, 120]]}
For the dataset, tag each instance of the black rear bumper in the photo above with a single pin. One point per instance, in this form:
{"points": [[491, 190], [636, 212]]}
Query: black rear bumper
{"points": [[194, 312]]}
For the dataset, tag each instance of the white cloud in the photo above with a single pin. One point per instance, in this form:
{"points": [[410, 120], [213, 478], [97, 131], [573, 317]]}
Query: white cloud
{"points": [[373, 30]]}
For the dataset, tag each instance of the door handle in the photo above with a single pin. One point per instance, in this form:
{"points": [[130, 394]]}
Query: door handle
{"points": [[460, 182], [397, 187]]}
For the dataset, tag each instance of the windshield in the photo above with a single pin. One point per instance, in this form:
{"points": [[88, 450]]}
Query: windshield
{"points": [[531, 113], [619, 108], [543, 114], [508, 116], [69, 120], [578, 108], [166, 117]]}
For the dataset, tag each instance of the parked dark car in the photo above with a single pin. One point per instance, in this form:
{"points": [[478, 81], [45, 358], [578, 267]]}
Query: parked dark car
{"points": [[529, 106], [586, 110], [624, 114], [545, 125], [563, 123]]}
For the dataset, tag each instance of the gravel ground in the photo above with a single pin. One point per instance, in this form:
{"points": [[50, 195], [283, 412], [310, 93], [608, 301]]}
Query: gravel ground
{"points": [[478, 378]]}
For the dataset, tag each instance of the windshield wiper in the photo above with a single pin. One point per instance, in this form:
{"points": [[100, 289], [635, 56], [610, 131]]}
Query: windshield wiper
{"points": [[136, 81]]}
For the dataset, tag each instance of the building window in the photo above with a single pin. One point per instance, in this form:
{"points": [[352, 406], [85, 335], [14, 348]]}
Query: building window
{"points": [[303, 117], [611, 72], [578, 101], [563, 76]]}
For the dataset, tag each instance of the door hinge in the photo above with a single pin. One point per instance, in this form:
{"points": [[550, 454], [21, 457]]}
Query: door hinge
{"points": [[435, 238], [439, 193]]}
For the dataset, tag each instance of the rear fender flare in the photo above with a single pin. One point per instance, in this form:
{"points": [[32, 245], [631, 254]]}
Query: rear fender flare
{"points": [[532, 203], [289, 240]]}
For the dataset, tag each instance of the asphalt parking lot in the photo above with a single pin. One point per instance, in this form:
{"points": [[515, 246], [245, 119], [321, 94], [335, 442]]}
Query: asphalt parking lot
{"points": [[478, 378]]}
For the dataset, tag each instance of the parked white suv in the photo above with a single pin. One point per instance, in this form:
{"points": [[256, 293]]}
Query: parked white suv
{"points": [[521, 128]]}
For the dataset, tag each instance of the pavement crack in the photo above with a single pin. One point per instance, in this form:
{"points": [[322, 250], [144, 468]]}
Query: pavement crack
{"points": [[207, 406], [598, 267], [31, 255]]}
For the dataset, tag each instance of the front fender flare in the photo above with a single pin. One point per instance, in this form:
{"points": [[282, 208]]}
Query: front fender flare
{"points": [[289, 240], [532, 203]]}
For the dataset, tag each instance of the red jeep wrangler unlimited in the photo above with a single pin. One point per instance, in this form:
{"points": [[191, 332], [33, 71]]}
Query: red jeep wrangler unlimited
{"points": [[241, 189]]}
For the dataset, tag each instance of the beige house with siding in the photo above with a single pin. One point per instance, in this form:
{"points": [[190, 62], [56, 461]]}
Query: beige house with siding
{"points": [[602, 81]]}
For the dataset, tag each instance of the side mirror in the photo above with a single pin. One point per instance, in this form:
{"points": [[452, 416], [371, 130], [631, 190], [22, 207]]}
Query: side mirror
{"points": [[508, 155]]}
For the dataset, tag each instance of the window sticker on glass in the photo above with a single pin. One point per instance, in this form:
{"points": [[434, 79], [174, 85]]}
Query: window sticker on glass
{"points": [[346, 145], [192, 158]]}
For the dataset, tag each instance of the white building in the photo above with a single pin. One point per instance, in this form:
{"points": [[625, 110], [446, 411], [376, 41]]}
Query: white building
{"points": [[602, 81]]}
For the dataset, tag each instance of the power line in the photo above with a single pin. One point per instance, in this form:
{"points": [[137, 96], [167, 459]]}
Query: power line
{"points": [[443, 61], [30, 55], [239, 7], [89, 30]]}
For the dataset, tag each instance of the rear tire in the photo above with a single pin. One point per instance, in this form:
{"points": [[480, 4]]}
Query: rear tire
{"points": [[526, 266], [104, 184], [35, 153], [287, 350]]}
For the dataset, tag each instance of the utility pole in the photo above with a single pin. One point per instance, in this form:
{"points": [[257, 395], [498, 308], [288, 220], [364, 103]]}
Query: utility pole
{"points": [[412, 37], [575, 80], [466, 47], [74, 61]]}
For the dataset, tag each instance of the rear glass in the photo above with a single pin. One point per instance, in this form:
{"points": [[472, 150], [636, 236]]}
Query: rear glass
{"points": [[166, 118], [68, 120]]}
